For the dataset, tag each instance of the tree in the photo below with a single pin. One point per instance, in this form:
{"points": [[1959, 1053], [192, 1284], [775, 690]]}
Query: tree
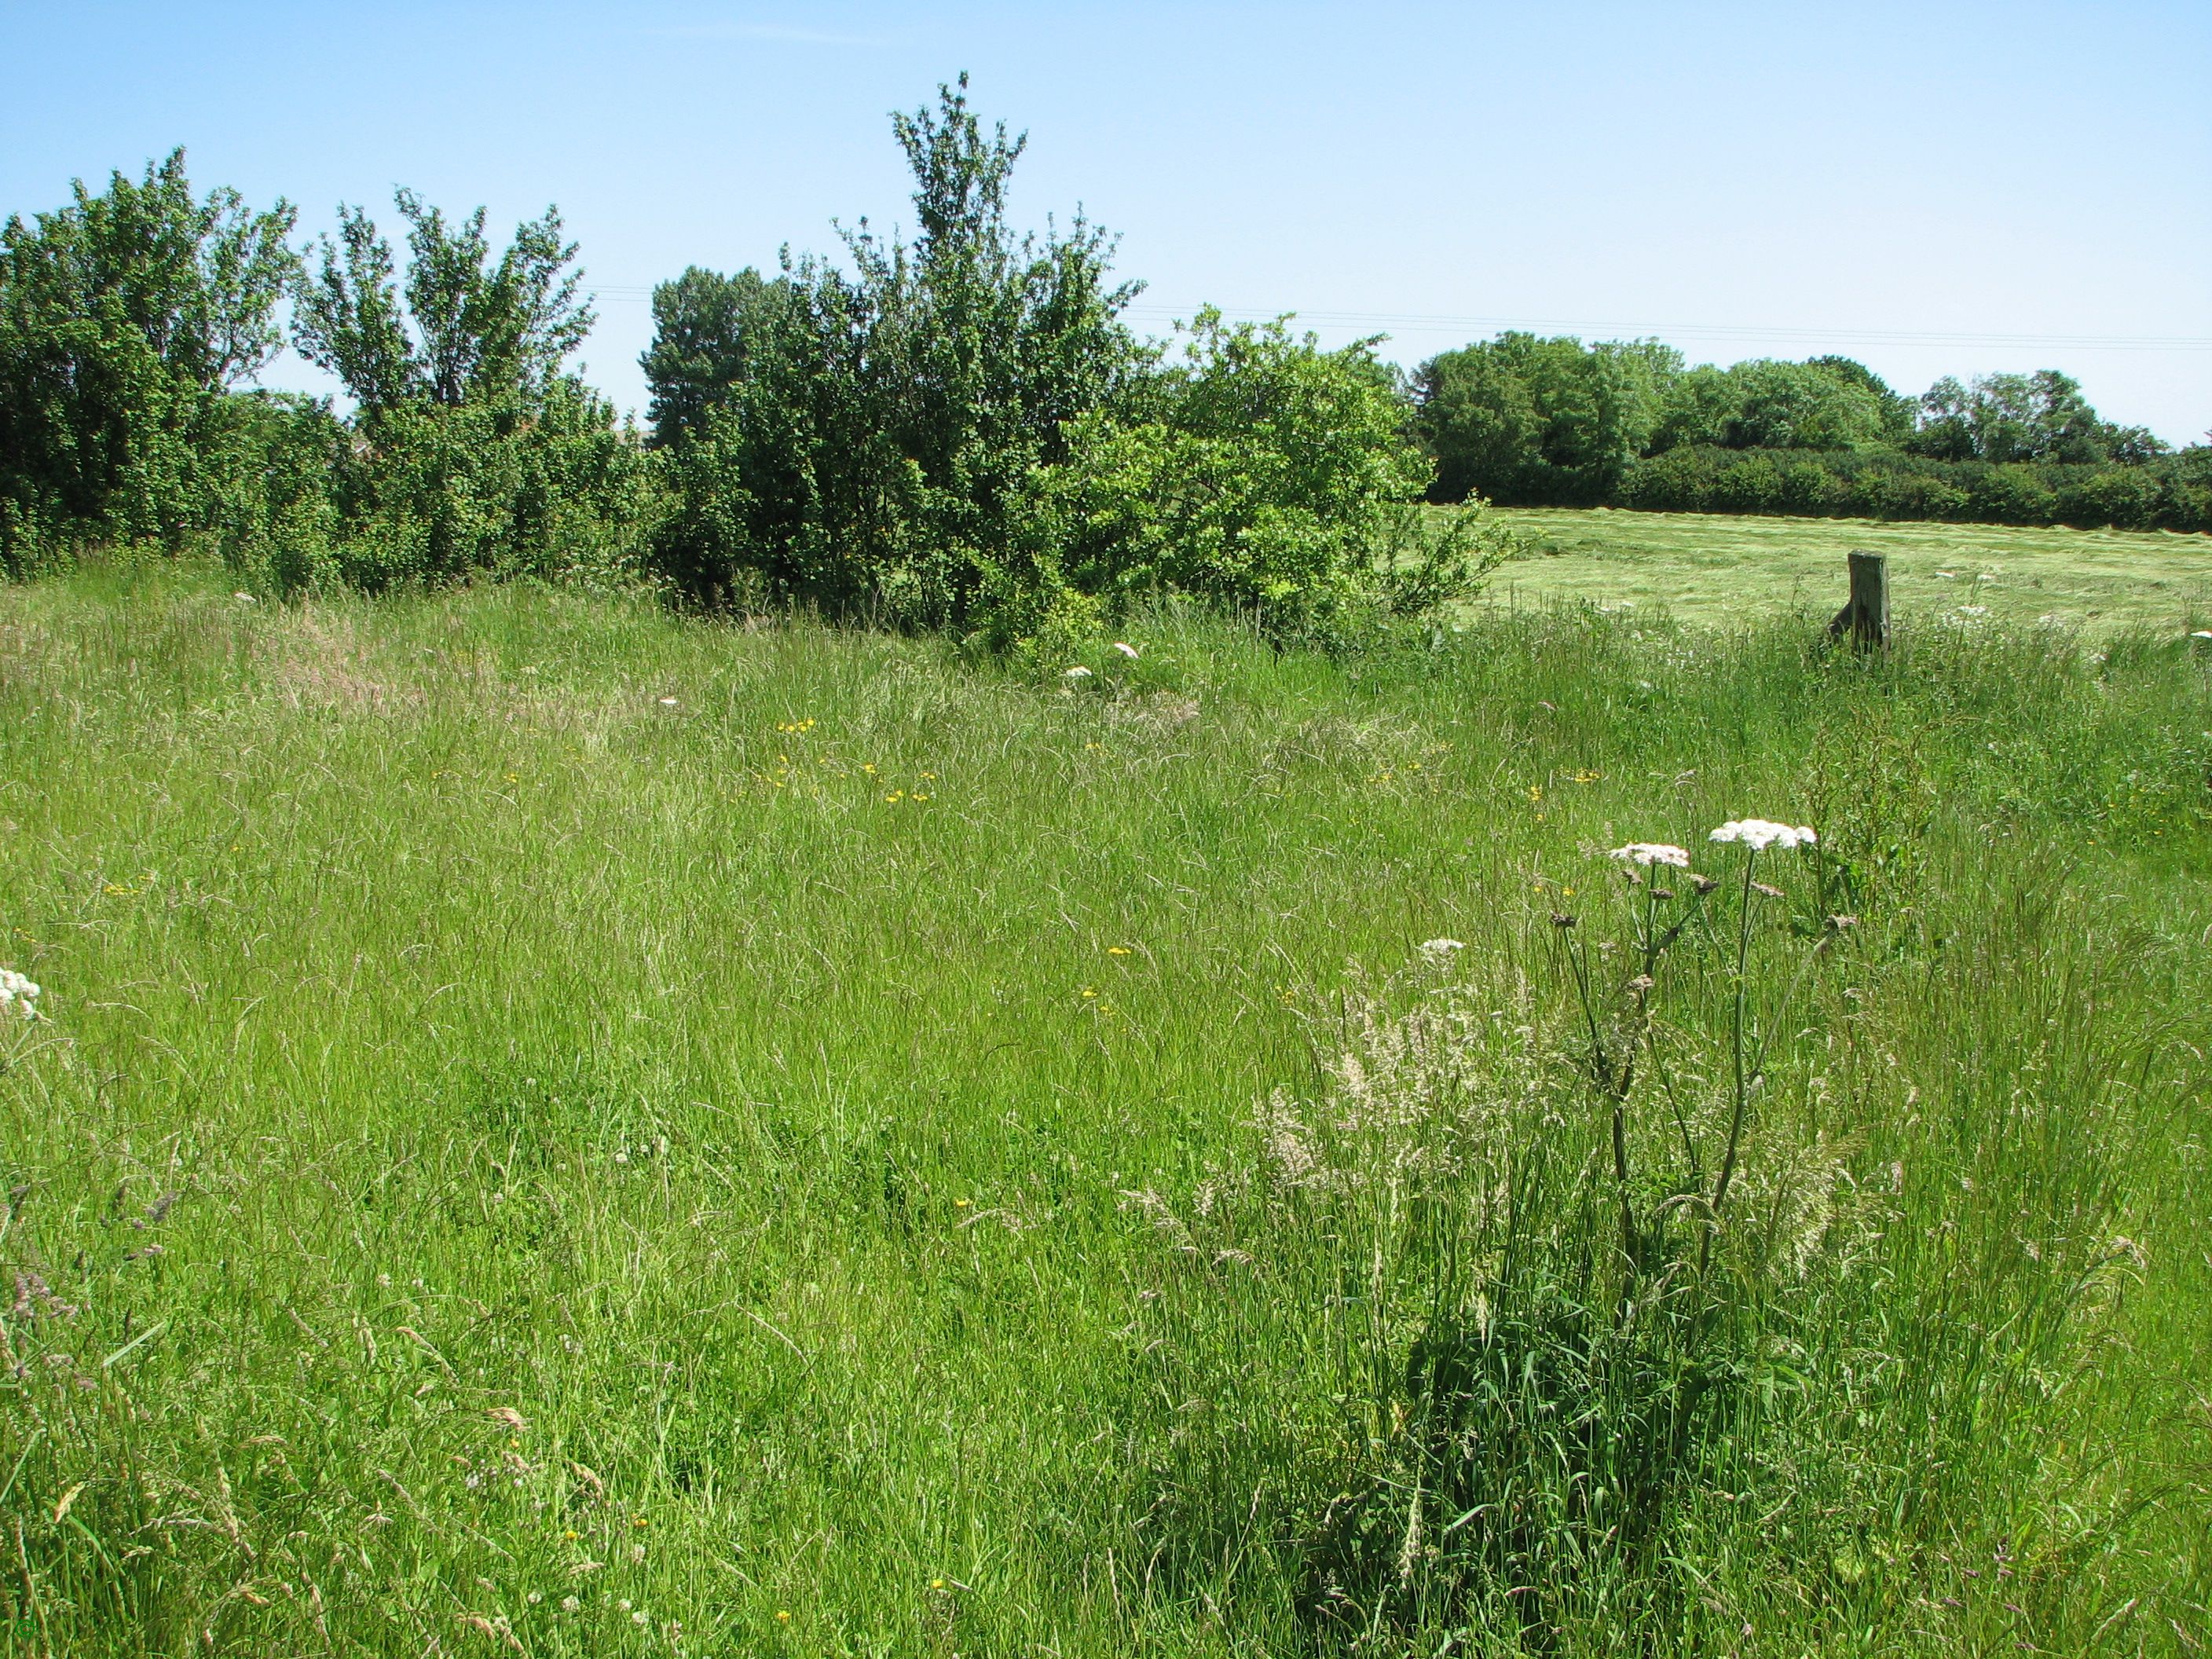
{"points": [[125, 318], [1899, 411], [474, 450], [1763, 403], [877, 451], [704, 325], [1523, 418], [468, 332], [2041, 416]]}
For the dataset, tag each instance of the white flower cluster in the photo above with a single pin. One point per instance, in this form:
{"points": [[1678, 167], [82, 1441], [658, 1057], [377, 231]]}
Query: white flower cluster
{"points": [[1442, 950], [1648, 853], [18, 994], [1759, 835]]}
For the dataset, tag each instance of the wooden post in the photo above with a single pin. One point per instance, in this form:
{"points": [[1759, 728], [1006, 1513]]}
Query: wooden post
{"points": [[1865, 615]]}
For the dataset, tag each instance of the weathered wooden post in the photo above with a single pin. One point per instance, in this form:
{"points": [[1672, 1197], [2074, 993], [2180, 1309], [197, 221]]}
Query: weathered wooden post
{"points": [[1865, 615]]}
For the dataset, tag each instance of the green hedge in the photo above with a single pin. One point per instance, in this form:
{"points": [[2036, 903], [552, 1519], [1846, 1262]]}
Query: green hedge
{"points": [[2171, 493]]}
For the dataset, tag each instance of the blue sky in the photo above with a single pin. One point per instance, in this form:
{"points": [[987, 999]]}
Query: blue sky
{"points": [[1934, 188]]}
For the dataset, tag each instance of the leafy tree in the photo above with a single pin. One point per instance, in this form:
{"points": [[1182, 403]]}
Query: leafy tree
{"points": [[877, 452], [1899, 413], [1768, 404], [125, 319], [469, 331], [2041, 416], [704, 325], [1526, 418], [477, 450]]}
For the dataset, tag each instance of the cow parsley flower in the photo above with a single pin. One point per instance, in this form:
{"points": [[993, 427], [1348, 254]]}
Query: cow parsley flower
{"points": [[1126, 650], [1442, 950], [18, 994], [1078, 673], [1760, 834], [1648, 853]]}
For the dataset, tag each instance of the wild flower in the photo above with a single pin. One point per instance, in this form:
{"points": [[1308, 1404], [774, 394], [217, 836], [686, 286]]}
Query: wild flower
{"points": [[1126, 650], [18, 994], [1078, 673], [1648, 853], [1442, 950], [668, 702], [1760, 834]]}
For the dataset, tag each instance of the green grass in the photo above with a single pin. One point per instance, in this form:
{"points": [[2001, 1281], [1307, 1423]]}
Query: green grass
{"points": [[499, 1136], [1714, 569]]}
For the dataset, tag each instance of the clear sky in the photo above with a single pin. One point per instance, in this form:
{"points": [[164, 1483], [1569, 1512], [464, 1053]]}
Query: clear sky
{"points": [[1935, 188]]}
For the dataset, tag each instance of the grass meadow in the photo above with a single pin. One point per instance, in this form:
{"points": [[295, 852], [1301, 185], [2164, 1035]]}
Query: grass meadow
{"points": [[558, 1129], [1693, 567]]}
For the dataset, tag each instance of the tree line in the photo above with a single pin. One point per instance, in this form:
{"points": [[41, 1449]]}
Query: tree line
{"points": [[955, 431], [958, 431], [1526, 421]]}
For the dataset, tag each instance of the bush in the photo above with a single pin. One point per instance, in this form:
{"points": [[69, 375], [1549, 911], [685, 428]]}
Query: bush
{"points": [[2171, 493], [1272, 477], [2011, 494]]}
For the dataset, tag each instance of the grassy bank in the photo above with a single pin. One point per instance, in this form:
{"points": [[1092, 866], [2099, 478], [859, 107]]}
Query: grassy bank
{"points": [[561, 1129], [1716, 567]]}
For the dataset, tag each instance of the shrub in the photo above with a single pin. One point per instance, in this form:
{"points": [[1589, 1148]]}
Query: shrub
{"points": [[1272, 477], [2123, 498], [2011, 494]]}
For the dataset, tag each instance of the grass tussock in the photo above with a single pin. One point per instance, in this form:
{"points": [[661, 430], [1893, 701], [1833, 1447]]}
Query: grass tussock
{"points": [[554, 1128]]}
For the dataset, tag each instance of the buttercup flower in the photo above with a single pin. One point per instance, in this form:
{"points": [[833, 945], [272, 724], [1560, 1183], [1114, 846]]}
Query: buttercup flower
{"points": [[1648, 853], [1760, 834]]}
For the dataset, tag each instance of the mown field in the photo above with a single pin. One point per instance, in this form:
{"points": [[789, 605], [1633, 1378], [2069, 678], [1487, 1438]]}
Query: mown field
{"points": [[559, 1128], [1711, 567]]}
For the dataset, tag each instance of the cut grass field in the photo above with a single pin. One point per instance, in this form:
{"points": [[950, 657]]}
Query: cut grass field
{"points": [[1709, 567], [563, 1129]]}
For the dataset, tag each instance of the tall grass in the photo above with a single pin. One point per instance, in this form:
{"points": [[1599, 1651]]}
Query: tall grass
{"points": [[559, 1128]]}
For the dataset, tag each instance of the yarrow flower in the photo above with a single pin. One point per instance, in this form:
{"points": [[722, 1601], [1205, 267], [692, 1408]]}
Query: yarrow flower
{"points": [[1759, 835], [1442, 950], [1648, 853], [1078, 673], [1125, 649], [18, 994]]}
